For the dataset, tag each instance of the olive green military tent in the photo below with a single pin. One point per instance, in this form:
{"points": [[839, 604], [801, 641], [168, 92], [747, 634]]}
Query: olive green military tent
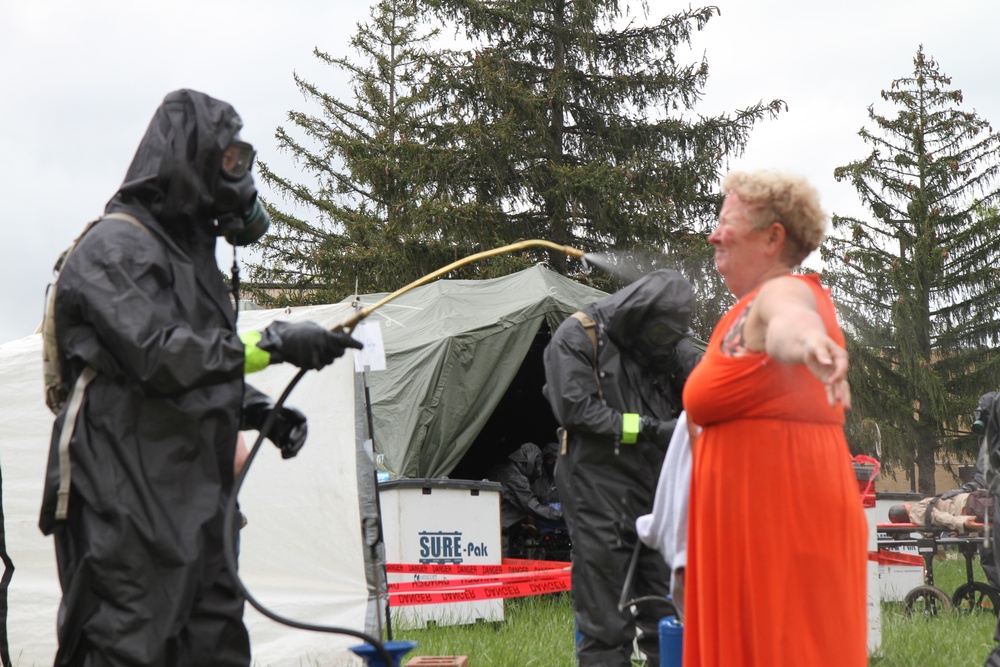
{"points": [[463, 377]]}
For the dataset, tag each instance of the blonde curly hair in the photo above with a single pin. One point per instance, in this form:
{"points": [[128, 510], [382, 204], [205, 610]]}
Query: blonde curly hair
{"points": [[786, 198]]}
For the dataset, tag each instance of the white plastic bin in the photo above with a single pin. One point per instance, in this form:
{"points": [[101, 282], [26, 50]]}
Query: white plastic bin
{"points": [[449, 521]]}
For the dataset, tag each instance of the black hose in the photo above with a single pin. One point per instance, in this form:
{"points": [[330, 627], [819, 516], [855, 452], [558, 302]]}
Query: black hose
{"points": [[630, 575], [651, 598], [230, 548]]}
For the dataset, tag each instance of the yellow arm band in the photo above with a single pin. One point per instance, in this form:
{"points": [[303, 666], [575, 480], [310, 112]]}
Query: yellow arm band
{"points": [[630, 428], [254, 358]]}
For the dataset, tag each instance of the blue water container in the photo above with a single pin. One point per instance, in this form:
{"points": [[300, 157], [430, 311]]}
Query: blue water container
{"points": [[671, 644]]}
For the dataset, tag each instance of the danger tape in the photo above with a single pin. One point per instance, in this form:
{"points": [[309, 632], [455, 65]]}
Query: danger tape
{"points": [[452, 584], [512, 579], [890, 557], [509, 565], [483, 592]]}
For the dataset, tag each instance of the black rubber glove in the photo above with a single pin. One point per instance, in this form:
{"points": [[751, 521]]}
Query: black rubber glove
{"points": [[656, 431], [305, 344], [289, 430]]}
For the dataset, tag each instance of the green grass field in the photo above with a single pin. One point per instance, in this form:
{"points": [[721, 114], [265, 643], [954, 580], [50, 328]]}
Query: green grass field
{"points": [[538, 632]]}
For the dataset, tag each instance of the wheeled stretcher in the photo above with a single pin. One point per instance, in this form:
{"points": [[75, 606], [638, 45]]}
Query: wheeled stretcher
{"points": [[928, 599]]}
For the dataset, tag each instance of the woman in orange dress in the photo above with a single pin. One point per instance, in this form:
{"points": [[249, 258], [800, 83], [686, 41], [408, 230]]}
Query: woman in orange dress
{"points": [[777, 541]]}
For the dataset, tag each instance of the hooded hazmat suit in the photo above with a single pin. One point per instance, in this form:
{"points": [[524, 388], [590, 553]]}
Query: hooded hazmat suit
{"points": [[519, 498], [605, 484], [140, 555], [988, 476]]}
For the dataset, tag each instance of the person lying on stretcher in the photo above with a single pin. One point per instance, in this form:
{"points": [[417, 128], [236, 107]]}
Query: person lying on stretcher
{"points": [[962, 513]]}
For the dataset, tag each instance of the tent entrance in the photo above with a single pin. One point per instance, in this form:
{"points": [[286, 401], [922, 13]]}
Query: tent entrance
{"points": [[523, 415]]}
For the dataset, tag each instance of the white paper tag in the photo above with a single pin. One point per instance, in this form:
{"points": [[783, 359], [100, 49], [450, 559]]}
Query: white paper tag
{"points": [[373, 354]]}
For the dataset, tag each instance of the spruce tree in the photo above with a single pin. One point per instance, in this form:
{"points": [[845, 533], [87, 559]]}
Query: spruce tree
{"points": [[578, 123], [547, 119], [373, 217], [918, 281]]}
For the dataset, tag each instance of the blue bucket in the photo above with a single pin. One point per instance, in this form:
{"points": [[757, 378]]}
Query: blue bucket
{"points": [[671, 644], [396, 650]]}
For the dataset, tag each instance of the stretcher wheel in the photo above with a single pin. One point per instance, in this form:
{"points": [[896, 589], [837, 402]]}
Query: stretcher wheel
{"points": [[976, 597], [927, 601]]}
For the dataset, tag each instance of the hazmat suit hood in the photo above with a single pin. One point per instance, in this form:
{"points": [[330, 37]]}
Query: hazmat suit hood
{"points": [[981, 415], [986, 402], [528, 459], [664, 297], [175, 171]]}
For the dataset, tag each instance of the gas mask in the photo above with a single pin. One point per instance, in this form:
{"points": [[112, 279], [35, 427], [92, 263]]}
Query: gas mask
{"points": [[656, 340], [981, 415], [240, 217]]}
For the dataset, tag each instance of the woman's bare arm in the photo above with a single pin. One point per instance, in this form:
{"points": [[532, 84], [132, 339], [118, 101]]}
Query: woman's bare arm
{"points": [[783, 322]]}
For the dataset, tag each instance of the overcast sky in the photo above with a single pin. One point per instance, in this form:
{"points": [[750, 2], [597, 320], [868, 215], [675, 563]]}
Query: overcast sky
{"points": [[79, 82]]}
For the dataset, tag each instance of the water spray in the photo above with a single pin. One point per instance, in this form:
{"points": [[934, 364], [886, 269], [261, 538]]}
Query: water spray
{"points": [[348, 326], [626, 266]]}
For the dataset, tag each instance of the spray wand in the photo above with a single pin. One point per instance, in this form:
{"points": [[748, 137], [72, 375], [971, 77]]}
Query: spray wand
{"points": [[348, 326]]}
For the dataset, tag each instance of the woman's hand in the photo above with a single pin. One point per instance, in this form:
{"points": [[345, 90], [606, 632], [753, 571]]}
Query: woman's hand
{"points": [[828, 362]]}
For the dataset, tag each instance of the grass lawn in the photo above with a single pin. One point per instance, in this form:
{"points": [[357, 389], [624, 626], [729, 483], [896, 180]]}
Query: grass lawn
{"points": [[538, 632]]}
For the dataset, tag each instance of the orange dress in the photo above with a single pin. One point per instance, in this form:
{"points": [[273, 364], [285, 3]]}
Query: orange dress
{"points": [[777, 539]]}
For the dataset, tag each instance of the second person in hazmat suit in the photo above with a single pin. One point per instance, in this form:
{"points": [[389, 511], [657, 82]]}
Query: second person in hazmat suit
{"points": [[520, 506], [614, 376], [141, 462], [987, 425]]}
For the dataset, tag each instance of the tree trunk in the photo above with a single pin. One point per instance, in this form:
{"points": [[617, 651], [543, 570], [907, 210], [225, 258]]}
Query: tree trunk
{"points": [[925, 466]]}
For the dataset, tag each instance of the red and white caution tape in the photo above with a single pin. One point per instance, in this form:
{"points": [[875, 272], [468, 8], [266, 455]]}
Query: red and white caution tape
{"points": [[511, 579]]}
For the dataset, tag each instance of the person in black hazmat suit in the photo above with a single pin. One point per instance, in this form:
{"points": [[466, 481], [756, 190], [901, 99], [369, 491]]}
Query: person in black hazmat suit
{"points": [[139, 547], [519, 502], [987, 425], [981, 420], [617, 416]]}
